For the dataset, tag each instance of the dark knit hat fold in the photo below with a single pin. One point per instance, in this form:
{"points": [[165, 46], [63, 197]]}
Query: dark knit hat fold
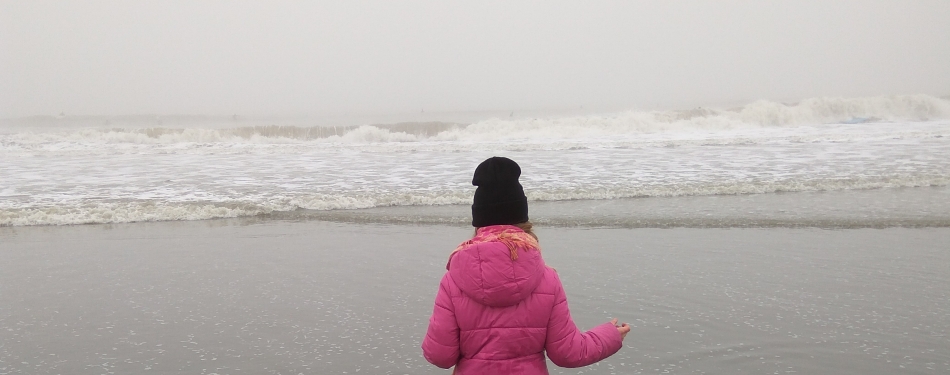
{"points": [[499, 198]]}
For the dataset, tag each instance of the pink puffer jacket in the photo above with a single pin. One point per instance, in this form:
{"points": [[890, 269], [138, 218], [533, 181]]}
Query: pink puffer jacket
{"points": [[495, 315]]}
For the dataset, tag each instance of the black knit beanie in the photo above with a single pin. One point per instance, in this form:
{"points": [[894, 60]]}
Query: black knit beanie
{"points": [[499, 198]]}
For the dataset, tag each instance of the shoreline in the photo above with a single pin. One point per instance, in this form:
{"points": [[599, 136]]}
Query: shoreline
{"points": [[907, 207]]}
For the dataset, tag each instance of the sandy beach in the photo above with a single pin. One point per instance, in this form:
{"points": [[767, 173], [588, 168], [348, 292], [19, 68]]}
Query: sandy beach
{"points": [[248, 296], [259, 187]]}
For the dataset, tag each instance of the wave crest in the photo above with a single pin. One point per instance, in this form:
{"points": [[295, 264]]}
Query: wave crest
{"points": [[629, 124]]}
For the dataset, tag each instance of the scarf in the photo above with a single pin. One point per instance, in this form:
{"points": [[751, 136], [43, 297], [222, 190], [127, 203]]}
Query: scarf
{"points": [[512, 236]]}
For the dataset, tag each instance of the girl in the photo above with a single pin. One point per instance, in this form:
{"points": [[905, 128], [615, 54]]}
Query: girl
{"points": [[499, 309]]}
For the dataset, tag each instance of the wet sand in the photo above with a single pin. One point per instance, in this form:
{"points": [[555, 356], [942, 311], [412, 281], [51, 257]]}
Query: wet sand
{"points": [[920, 207], [288, 296]]}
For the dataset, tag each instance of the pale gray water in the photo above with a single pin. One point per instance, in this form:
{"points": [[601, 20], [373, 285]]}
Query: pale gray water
{"points": [[289, 297]]}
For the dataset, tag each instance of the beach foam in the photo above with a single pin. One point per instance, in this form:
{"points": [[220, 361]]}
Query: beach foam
{"points": [[57, 175], [85, 212]]}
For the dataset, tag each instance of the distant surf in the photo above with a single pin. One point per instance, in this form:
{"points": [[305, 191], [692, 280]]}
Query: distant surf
{"points": [[204, 129]]}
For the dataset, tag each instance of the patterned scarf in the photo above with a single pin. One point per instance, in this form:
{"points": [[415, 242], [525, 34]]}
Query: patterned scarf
{"points": [[510, 235]]}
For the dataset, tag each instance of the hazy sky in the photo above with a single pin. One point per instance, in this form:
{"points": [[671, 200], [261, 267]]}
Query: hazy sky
{"points": [[309, 57]]}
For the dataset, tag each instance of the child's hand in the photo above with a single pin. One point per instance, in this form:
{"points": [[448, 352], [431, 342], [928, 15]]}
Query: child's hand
{"points": [[623, 328]]}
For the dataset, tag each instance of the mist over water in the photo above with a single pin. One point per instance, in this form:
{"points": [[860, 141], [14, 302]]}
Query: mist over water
{"points": [[480, 126]]}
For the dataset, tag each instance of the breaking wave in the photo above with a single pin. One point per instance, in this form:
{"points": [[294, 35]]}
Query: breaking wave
{"points": [[193, 168], [760, 114]]}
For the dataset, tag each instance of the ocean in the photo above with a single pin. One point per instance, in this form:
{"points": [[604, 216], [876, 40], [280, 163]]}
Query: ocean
{"points": [[807, 238], [87, 169]]}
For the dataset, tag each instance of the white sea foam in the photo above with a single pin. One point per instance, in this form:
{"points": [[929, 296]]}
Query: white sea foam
{"points": [[85, 212], [110, 175]]}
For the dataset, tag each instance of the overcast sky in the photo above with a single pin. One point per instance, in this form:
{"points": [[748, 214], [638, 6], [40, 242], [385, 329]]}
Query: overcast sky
{"points": [[309, 57]]}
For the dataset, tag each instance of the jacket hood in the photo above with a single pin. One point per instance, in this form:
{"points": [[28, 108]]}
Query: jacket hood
{"points": [[486, 273]]}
